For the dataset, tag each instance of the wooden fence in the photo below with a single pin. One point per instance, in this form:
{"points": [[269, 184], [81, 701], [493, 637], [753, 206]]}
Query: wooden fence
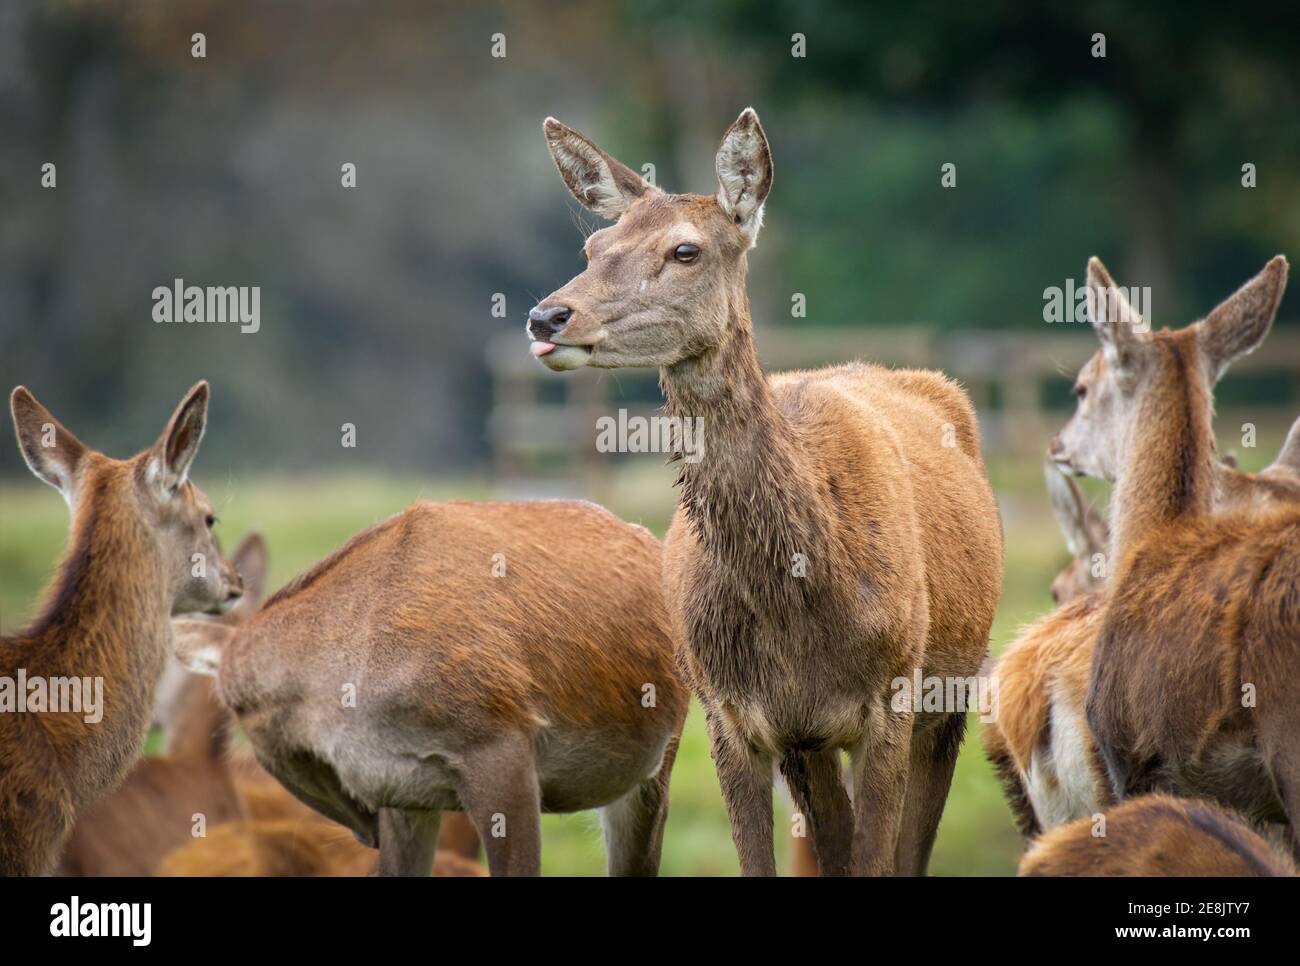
{"points": [[544, 425]]}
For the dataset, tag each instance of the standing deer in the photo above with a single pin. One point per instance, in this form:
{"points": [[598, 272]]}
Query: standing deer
{"points": [[153, 812], [1041, 745], [497, 658], [141, 549], [1156, 835], [837, 534], [1195, 685]]}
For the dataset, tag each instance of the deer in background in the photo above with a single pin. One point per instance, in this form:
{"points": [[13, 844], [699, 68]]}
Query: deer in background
{"points": [[1041, 745], [153, 811], [497, 658], [1194, 684], [838, 533], [310, 846], [141, 549], [1156, 835]]}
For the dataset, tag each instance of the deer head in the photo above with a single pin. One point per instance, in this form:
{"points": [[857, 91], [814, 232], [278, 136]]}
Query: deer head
{"points": [[148, 497], [662, 282], [1086, 534], [1094, 441]]}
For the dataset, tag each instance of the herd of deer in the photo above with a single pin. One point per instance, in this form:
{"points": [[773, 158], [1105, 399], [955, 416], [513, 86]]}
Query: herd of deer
{"points": [[500, 660]]}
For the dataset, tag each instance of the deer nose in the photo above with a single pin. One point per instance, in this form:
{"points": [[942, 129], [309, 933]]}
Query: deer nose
{"points": [[544, 323]]}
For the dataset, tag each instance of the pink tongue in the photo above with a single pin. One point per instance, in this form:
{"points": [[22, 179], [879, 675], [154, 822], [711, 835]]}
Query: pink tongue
{"points": [[541, 348]]}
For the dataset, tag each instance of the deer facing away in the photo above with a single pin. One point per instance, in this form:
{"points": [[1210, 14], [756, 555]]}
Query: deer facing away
{"points": [[1194, 677], [153, 811], [1041, 745], [494, 658], [838, 532], [141, 549]]}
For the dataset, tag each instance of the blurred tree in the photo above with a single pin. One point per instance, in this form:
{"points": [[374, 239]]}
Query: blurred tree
{"points": [[1166, 68]]}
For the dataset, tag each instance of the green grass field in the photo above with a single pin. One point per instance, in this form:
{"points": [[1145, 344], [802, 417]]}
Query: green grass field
{"points": [[305, 519]]}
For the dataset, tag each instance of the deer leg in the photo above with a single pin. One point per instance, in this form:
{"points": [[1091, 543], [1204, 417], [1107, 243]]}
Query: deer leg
{"points": [[746, 780], [407, 840], [634, 824], [816, 785], [933, 757], [498, 787], [880, 766], [802, 854]]}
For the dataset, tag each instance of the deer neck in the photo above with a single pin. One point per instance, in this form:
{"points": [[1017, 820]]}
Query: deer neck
{"points": [[750, 496], [1169, 465], [106, 624]]}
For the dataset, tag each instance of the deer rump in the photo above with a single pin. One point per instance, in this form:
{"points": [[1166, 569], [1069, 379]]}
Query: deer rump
{"points": [[1196, 674]]}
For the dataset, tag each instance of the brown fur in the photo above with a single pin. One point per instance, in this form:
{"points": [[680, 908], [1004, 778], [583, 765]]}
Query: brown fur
{"points": [[873, 475], [1043, 675], [1157, 835], [153, 811], [135, 524], [265, 802], [1202, 606], [305, 846], [489, 694], [129, 831]]}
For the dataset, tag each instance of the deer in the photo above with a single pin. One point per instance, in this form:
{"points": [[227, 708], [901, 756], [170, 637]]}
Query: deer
{"points": [[154, 811], [156, 807], [496, 658], [1041, 746], [836, 534], [1156, 835], [311, 846], [1193, 683], [141, 549]]}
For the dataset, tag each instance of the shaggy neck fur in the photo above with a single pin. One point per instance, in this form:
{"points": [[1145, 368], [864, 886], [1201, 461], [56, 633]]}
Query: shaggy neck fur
{"points": [[106, 617], [752, 498], [1168, 470]]}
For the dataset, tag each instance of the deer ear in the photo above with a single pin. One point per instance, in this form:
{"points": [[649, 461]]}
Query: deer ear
{"points": [[1240, 323], [51, 452], [1118, 324], [170, 460], [599, 182], [744, 166], [1085, 533], [200, 644], [249, 559], [1288, 456]]}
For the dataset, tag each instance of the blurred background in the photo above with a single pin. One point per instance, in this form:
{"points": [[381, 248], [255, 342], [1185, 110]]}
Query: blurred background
{"points": [[397, 305]]}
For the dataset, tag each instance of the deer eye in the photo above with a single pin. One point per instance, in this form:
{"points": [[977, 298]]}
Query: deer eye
{"points": [[1080, 391], [210, 521], [686, 253]]}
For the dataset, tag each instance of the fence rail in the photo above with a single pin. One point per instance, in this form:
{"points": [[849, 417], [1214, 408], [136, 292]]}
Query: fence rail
{"points": [[543, 425]]}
